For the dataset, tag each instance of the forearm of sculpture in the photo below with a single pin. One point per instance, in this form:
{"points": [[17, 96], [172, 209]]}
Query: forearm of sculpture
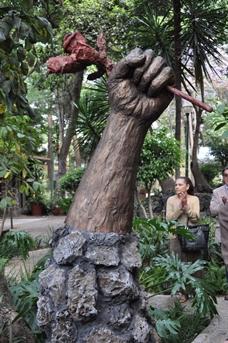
{"points": [[104, 200]]}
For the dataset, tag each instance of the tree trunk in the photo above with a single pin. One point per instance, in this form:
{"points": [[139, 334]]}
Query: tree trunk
{"points": [[104, 201], [77, 152], [177, 47], [137, 197], [150, 207], [167, 185], [201, 184], [70, 131], [50, 154]]}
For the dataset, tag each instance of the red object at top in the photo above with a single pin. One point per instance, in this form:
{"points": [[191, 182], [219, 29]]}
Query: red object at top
{"points": [[80, 56]]}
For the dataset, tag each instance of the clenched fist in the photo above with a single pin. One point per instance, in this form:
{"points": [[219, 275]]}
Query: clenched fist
{"points": [[137, 85]]}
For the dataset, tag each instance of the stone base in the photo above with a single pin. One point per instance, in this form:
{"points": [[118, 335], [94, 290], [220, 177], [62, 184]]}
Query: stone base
{"points": [[89, 291]]}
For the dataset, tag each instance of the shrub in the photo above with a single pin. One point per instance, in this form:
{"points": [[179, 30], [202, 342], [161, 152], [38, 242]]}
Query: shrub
{"points": [[70, 181]]}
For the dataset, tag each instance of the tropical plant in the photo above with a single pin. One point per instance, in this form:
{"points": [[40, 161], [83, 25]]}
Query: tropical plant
{"points": [[93, 112], [13, 243], [200, 41], [153, 237], [215, 277], [181, 278], [25, 296], [220, 120], [176, 325]]}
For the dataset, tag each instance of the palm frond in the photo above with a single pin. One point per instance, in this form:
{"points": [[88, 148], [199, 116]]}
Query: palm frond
{"points": [[93, 112]]}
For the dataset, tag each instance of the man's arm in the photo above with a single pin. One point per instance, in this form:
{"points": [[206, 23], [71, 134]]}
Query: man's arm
{"points": [[215, 204]]}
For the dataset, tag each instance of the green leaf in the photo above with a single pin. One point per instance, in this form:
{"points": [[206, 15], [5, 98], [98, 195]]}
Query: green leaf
{"points": [[167, 327]]}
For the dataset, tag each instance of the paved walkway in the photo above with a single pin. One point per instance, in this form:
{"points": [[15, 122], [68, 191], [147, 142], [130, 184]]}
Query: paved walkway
{"points": [[36, 226]]}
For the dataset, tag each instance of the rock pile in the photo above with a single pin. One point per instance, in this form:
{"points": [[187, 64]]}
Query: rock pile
{"points": [[89, 291]]}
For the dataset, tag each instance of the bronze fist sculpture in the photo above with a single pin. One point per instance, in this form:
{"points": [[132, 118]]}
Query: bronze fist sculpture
{"points": [[137, 92], [137, 85]]}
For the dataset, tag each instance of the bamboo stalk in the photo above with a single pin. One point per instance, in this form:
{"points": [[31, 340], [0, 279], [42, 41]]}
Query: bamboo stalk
{"points": [[194, 101]]}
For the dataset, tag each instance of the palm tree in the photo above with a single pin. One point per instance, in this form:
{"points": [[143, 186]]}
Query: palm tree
{"points": [[203, 30], [177, 64]]}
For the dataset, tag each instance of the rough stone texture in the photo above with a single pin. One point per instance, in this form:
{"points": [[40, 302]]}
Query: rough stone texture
{"points": [[82, 292], [130, 254], [43, 316], [217, 330], [103, 255], [119, 316], [161, 301], [105, 336], [52, 281], [63, 331], [90, 294], [141, 331], [69, 248], [117, 282]]}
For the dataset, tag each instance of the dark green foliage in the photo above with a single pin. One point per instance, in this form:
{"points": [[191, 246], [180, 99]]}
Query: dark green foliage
{"points": [[92, 17], [154, 31], [219, 149], [20, 29], [16, 243], [153, 237], [64, 204], [25, 296], [210, 170], [70, 181], [215, 277], [214, 252], [93, 112], [203, 31]]}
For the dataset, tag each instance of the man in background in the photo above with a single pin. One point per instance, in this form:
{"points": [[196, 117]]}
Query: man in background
{"points": [[219, 208]]}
